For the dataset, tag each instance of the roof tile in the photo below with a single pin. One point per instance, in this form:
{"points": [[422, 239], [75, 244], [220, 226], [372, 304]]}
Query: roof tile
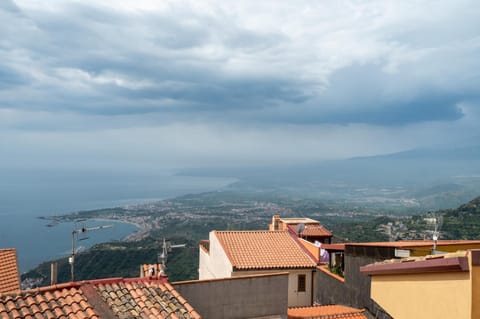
{"points": [[314, 230], [263, 250], [45, 304], [9, 279], [124, 298], [326, 312], [150, 299]]}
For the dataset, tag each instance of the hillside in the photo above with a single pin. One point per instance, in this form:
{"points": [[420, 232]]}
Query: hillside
{"points": [[462, 222]]}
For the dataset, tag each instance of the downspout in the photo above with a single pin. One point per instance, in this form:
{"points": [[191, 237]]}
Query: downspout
{"points": [[311, 297]]}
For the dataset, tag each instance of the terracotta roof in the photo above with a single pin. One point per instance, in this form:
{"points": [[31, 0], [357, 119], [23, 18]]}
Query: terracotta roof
{"points": [[315, 230], [326, 312], [416, 243], [97, 299], [62, 301], [9, 280], [263, 250], [144, 299]]}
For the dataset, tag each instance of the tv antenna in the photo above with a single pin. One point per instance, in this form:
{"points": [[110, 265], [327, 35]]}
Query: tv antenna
{"points": [[436, 223], [80, 231], [167, 248]]}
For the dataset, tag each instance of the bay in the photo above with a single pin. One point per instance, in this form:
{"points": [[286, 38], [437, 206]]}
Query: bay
{"points": [[25, 196]]}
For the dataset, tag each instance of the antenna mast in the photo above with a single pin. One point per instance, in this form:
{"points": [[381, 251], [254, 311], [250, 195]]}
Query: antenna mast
{"points": [[436, 233], [166, 248], [76, 231]]}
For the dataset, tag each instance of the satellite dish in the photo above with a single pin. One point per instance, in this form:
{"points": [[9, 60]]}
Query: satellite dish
{"points": [[300, 228]]}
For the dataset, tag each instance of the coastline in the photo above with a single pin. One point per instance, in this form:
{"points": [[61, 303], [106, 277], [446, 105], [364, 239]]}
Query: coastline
{"points": [[138, 234], [40, 228]]}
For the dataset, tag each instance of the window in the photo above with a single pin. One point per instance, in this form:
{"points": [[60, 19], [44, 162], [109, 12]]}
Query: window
{"points": [[301, 284]]}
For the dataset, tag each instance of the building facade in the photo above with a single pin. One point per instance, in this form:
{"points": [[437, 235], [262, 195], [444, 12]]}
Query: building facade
{"points": [[241, 253]]}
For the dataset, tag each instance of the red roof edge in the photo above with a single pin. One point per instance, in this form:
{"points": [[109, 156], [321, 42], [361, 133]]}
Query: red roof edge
{"points": [[334, 247], [105, 281], [435, 265], [162, 280], [293, 234], [66, 285]]}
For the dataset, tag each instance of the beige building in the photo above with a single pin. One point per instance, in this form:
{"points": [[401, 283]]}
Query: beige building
{"points": [[437, 286], [306, 228], [239, 253]]}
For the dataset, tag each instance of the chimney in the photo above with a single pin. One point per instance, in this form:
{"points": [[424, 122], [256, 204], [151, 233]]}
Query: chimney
{"points": [[53, 273], [275, 222]]}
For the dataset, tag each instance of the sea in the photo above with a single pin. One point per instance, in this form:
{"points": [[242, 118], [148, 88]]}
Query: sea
{"points": [[27, 195]]}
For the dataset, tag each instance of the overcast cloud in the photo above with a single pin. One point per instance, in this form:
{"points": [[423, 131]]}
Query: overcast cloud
{"points": [[216, 83]]}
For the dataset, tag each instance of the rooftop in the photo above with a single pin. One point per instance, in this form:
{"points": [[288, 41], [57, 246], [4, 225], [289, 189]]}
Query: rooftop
{"points": [[451, 262], [9, 279], [97, 299], [313, 230], [249, 250], [334, 247], [326, 312], [299, 220], [416, 243]]}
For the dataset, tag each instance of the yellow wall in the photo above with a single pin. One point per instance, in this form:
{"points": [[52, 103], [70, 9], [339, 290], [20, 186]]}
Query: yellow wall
{"points": [[439, 295]]}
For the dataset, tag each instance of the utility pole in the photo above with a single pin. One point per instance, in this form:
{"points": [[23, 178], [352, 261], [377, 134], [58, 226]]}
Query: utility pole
{"points": [[82, 230]]}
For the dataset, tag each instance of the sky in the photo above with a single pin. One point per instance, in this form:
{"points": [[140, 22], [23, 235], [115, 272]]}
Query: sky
{"points": [[178, 84]]}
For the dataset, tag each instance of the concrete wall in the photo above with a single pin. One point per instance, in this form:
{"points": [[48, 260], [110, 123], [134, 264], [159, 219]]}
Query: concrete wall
{"points": [[295, 298], [354, 291], [214, 264], [358, 284], [330, 290], [240, 297], [429, 296]]}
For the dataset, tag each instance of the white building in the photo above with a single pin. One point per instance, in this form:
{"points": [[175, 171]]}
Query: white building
{"points": [[240, 253]]}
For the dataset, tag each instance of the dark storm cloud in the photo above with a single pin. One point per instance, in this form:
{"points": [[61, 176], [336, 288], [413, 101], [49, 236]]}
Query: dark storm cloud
{"points": [[173, 83], [9, 6], [9, 77]]}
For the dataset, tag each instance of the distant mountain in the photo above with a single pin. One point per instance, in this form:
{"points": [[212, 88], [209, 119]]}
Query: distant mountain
{"points": [[428, 179], [463, 153], [472, 207], [419, 166]]}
